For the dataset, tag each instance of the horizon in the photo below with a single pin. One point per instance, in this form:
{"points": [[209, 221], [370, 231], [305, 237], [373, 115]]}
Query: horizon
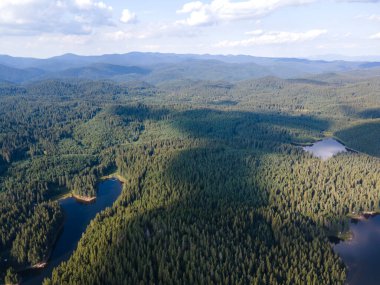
{"points": [[275, 28], [326, 57]]}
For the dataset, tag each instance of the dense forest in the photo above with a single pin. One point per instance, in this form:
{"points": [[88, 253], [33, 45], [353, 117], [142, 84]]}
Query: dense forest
{"points": [[217, 190]]}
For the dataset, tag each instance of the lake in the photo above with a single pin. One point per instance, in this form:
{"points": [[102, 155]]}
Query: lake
{"points": [[362, 253], [77, 218], [325, 149]]}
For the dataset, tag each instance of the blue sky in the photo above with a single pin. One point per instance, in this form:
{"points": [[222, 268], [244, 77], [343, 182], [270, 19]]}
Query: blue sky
{"points": [[288, 28]]}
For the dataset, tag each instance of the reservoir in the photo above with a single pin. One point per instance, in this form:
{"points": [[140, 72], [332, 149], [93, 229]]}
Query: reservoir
{"points": [[362, 253], [325, 149], [77, 218]]}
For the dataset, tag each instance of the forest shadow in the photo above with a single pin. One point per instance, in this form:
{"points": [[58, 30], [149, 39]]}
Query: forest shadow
{"points": [[227, 169], [370, 113], [270, 128], [362, 137], [206, 213], [220, 166]]}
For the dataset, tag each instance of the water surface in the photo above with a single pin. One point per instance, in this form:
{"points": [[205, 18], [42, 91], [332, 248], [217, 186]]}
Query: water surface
{"points": [[362, 253], [77, 218], [326, 148]]}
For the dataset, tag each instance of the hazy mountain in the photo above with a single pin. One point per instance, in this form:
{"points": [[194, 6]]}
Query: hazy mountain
{"points": [[158, 68], [10, 74], [332, 57], [18, 62], [101, 71]]}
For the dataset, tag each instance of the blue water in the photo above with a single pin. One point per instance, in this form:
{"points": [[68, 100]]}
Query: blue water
{"points": [[362, 253], [326, 148], [77, 218]]}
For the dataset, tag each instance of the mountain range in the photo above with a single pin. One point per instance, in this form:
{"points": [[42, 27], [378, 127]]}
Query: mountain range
{"points": [[157, 68]]}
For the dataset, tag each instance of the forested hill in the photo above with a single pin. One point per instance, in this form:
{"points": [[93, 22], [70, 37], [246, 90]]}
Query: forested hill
{"points": [[217, 190], [156, 67]]}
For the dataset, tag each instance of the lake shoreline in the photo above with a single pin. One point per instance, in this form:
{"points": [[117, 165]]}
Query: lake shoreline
{"points": [[42, 264], [115, 175], [325, 148], [345, 145], [364, 215], [309, 144], [348, 235], [41, 270], [360, 254], [83, 199]]}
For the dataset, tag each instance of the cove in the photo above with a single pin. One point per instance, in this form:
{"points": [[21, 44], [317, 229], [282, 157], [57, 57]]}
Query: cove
{"points": [[77, 217], [362, 254], [325, 149]]}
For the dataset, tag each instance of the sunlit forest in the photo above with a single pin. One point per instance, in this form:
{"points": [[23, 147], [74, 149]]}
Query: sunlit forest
{"points": [[217, 188]]}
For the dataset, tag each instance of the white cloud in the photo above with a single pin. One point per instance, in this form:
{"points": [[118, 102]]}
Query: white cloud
{"points": [[190, 7], [255, 33], [203, 14], [64, 39], [359, 1], [91, 4], [57, 16], [260, 37], [226, 10], [119, 36], [373, 17], [153, 31], [128, 17], [130, 34], [375, 37]]}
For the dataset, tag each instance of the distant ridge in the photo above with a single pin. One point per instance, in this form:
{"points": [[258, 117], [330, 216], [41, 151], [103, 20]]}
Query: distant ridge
{"points": [[161, 67]]}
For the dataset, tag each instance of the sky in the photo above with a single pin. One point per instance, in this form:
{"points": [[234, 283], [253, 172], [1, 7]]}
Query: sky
{"points": [[274, 28]]}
